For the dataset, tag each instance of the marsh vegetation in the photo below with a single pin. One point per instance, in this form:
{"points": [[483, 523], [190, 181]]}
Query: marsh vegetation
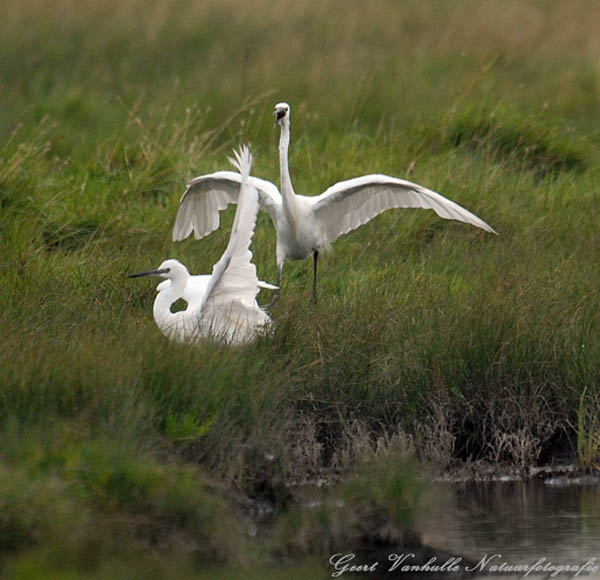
{"points": [[430, 337]]}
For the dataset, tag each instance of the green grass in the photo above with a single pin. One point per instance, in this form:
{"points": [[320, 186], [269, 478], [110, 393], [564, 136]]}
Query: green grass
{"points": [[472, 346]]}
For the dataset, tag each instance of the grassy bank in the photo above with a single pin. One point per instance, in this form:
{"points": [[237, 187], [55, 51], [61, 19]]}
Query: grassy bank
{"points": [[429, 335]]}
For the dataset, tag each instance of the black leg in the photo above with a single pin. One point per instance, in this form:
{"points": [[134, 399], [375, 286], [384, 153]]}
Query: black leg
{"points": [[315, 258], [276, 294]]}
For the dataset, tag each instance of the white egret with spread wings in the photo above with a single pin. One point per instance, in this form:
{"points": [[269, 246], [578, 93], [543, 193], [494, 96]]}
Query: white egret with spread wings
{"points": [[306, 224]]}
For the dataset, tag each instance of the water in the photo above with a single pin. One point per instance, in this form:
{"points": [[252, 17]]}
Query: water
{"points": [[522, 523]]}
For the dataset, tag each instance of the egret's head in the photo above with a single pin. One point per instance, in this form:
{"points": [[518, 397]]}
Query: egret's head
{"points": [[170, 269], [282, 113]]}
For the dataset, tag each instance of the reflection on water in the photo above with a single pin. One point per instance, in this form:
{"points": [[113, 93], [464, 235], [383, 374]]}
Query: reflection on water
{"points": [[523, 522]]}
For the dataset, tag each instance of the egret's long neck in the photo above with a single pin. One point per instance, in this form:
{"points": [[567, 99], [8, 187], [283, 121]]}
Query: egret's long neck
{"points": [[284, 143], [287, 191], [169, 322]]}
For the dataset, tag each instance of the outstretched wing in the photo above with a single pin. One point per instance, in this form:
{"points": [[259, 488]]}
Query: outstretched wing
{"points": [[207, 195], [352, 203], [233, 286]]}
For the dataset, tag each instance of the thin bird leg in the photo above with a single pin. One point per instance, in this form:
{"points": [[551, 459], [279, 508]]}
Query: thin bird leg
{"points": [[315, 258], [276, 294]]}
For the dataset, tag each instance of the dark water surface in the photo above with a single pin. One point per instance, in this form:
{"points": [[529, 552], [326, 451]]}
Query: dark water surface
{"points": [[500, 525]]}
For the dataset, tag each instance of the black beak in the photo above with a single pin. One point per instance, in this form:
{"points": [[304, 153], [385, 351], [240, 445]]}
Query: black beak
{"points": [[150, 273]]}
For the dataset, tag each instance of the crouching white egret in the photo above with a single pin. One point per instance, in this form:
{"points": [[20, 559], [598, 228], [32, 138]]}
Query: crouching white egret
{"points": [[306, 224], [221, 305]]}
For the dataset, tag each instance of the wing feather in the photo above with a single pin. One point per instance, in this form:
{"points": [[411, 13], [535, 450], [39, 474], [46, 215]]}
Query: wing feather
{"points": [[352, 203], [207, 195], [230, 300]]}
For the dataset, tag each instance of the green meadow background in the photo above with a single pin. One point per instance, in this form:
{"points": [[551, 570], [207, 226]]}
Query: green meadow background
{"points": [[124, 455]]}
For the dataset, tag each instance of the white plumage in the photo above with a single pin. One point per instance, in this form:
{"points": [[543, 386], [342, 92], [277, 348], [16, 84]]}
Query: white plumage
{"points": [[221, 305], [306, 224]]}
